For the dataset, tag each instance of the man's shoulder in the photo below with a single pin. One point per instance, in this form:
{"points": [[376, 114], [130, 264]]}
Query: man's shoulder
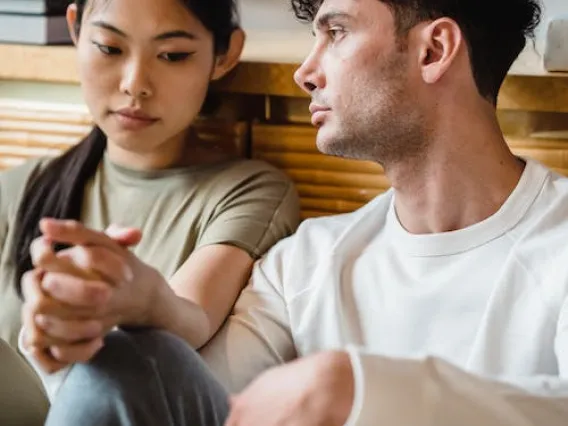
{"points": [[541, 237], [552, 199], [328, 232]]}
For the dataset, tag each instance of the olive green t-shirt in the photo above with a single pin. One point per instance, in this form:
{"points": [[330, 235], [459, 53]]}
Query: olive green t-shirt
{"points": [[245, 203]]}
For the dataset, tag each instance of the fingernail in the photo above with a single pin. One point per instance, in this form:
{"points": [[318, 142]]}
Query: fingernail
{"points": [[41, 320], [46, 221], [46, 283]]}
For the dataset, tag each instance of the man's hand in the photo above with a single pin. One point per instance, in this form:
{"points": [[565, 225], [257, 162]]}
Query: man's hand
{"points": [[312, 391]]}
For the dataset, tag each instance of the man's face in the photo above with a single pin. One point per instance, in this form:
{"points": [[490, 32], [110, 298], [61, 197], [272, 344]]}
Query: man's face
{"points": [[359, 76]]}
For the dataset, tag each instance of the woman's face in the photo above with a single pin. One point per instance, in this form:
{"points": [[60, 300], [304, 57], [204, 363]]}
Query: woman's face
{"points": [[145, 67]]}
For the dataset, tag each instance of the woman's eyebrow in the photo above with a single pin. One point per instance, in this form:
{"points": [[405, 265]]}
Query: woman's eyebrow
{"points": [[164, 36]]}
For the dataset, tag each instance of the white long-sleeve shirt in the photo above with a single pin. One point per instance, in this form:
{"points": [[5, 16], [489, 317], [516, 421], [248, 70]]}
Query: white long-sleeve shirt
{"points": [[461, 328], [466, 328]]}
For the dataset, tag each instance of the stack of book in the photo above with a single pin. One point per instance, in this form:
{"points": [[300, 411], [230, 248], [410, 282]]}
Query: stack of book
{"points": [[34, 22]]}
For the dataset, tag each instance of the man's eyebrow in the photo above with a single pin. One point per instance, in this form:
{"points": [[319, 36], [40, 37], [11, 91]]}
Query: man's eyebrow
{"points": [[324, 19], [164, 36]]}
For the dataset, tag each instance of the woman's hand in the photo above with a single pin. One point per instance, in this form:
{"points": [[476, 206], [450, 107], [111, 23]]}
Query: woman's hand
{"points": [[76, 296], [57, 334]]}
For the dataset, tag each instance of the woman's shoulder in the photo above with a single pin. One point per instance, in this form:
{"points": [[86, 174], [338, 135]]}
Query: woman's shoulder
{"points": [[15, 180], [244, 169]]}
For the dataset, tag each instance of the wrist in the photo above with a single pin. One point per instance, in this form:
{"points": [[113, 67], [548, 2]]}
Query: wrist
{"points": [[334, 376], [159, 304]]}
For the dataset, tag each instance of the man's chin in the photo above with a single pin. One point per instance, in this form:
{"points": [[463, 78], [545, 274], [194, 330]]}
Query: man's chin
{"points": [[329, 145]]}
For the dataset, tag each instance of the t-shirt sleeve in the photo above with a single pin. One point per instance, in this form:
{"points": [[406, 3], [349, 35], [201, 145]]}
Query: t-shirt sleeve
{"points": [[13, 183], [3, 215], [258, 207]]}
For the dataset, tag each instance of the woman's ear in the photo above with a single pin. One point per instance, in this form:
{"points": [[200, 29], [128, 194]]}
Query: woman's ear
{"points": [[226, 62], [72, 23]]}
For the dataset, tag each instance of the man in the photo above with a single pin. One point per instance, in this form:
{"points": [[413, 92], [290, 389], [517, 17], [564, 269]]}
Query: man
{"points": [[442, 302]]}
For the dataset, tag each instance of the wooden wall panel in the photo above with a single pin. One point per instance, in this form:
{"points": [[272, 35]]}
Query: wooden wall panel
{"points": [[326, 185], [329, 185], [29, 129]]}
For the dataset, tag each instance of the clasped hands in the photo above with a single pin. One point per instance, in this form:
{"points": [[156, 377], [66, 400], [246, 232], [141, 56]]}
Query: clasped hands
{"points": [[74, 297]]}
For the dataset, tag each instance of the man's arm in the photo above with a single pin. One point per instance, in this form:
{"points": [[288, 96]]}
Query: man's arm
{"points": [[257, 335], [433, 392], [386, 391]]}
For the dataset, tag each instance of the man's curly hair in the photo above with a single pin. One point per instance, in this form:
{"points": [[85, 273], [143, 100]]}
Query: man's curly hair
{"points": [[495, 31]]}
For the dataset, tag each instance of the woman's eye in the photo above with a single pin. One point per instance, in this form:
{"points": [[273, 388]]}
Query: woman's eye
{"points": [[175, 56], [107, 50]]}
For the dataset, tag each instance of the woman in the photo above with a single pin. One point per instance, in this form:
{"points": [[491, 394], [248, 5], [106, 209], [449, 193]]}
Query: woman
{"points": [[200, 218]]}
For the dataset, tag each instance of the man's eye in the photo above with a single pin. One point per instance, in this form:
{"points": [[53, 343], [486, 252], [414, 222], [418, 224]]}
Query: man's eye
{"points": [[175, 56], [335, 32], [107, 50]]}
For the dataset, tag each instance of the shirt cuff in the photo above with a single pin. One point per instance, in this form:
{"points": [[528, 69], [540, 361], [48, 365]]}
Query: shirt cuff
{"points": [[51, 382]]}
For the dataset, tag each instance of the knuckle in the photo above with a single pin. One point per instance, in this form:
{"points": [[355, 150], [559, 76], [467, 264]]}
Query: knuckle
{"points": [[73, 225], [91, 294], [50, 281]]}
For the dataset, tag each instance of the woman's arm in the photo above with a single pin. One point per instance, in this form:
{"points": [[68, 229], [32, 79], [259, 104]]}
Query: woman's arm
{"points": [[202, 293], [77, 309]]}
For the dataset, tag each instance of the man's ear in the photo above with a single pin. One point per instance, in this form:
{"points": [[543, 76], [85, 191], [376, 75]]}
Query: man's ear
{"points": [[72, 23], [439, 42], [227, 61]]}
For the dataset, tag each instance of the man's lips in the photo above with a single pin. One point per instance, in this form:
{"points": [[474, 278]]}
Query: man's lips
{"points": [[318, 114], [317, 108]]}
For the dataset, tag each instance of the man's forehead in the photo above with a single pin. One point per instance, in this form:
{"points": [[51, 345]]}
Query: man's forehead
{"points": [[344, 6], [352, 9]]}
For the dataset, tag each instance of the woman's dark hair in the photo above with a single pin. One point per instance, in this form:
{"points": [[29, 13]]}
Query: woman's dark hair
{"points": [[495, 30], [58, 190]]}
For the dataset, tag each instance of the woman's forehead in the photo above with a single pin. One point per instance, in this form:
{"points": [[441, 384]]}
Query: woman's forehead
{"points": [[145, 16]]}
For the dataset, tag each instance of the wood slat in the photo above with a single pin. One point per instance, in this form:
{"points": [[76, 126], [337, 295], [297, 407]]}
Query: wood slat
{"points": [[34, 139], [43, 127], [351, 179], [9, 162], [334, 206], [337, 193], [553, 153], [326, 185], [545, 94]]}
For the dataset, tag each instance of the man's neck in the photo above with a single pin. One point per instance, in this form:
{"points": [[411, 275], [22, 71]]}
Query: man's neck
{"points": [[464, 178]]}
